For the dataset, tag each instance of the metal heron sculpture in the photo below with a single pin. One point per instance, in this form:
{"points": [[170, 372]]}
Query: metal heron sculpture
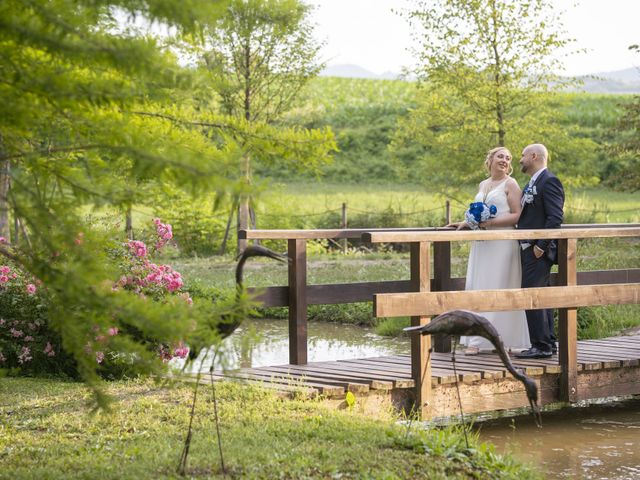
{"points": [[229, 325], [464, 322]]}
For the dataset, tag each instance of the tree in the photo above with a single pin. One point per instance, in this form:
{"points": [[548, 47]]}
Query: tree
{"points": [[487, 74], [624, 171], [262, 54], [88, 108]]}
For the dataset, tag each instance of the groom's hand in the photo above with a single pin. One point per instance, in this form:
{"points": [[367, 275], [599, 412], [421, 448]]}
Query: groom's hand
{"points": [[537, 251]]}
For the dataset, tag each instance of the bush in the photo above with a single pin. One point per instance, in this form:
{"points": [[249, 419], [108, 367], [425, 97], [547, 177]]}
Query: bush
{"points": [[28, 345]]}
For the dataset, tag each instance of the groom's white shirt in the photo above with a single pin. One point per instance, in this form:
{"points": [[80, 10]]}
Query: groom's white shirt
{"points": [[535, 176]]}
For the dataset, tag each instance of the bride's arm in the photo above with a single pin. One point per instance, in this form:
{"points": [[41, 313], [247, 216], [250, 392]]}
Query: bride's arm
{"points": [[513, 198], [464, 225]]}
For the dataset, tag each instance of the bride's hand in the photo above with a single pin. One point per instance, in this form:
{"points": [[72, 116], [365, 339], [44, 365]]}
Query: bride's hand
{"points": [[458, 225]]}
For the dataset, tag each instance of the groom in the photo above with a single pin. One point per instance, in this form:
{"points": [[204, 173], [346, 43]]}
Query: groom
{"points": [[542, 207]]}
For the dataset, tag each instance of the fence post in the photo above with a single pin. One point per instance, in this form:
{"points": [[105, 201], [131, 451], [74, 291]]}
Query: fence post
{"points": [[421, 344], [441, 283], [297, 301], [568, 323], [344, 226]]}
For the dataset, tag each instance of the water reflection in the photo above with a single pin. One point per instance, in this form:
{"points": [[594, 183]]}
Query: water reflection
{"points": [[263, 342], [591, 442]]}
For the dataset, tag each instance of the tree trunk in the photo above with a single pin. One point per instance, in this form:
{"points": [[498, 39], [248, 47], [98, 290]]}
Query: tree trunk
{"points": [[4, 195], [243, 205], [128, 228]]}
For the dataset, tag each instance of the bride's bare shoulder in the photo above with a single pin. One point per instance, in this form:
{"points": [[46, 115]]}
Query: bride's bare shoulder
{"points": [[512, 184]]}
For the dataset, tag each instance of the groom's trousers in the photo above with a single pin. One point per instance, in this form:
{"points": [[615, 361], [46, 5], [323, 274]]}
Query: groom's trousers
{"points": [[536, 273]]}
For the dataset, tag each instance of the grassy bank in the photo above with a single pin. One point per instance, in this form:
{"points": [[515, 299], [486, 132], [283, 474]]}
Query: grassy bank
{"points": [[47, 432]]}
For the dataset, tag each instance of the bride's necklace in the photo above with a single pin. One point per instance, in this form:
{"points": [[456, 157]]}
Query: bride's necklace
{"points": [[489, 186]]}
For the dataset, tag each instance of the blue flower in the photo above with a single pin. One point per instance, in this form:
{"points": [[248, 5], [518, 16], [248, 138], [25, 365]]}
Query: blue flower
{"points": [[479, 212]]}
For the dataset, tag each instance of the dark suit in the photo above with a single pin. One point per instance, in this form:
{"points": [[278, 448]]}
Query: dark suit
{"points": [[545, 211]]}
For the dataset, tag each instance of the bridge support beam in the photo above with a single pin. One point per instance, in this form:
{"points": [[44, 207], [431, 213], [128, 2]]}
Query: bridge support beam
{"points": [[297, 249], [421, 344], [568, 323]]}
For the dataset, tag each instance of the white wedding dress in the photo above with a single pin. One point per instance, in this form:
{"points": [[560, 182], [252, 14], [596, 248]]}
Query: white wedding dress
{"points": [[496, 264]]}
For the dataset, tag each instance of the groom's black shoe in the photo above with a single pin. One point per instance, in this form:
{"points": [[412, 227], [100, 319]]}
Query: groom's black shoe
{"points": [[534, 352]]}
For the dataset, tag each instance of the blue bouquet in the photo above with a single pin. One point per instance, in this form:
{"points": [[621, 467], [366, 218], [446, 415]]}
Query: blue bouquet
{"points": [[479, 212]]}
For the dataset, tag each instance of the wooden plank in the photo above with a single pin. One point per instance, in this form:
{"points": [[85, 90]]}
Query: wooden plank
{"points": [[568, 319], [441, 279], [629, 230], [338, 293], [435, 303], [608, 229], [321, 233], [330, 372], [308, 392], [317, 382], [397, 381], [351, 384], [297, 302], [421, 344], [324, 388]]}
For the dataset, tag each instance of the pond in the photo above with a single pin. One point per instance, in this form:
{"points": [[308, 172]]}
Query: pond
{"points": [[590, 440], [262, 342]]}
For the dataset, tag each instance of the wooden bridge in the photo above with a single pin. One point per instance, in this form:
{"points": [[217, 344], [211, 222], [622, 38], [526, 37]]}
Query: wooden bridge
{"points": [[581, 370]]}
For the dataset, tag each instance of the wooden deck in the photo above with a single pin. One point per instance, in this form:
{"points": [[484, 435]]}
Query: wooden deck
{"points": [[606, 367]]}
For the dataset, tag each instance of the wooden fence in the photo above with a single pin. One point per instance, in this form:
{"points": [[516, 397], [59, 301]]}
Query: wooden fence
{"points": [[425, 295]]}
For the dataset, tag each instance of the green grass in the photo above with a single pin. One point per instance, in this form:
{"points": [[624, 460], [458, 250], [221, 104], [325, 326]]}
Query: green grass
{"points": [[406, 202], [48, 432]]}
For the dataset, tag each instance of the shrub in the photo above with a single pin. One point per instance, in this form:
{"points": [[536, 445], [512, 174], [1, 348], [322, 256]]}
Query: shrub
{"points": [[27, 344]]}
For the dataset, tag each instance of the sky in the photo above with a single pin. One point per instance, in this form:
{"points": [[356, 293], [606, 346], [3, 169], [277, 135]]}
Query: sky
{"points": [[367, 33]]}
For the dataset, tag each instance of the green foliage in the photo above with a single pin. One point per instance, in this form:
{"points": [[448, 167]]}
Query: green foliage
{"points": [[624, 171], [392, 327], [263, 436]]}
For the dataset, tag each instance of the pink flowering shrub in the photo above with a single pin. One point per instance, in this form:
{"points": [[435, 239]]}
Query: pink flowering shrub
{"points": [[142, 276], [27, 344]]}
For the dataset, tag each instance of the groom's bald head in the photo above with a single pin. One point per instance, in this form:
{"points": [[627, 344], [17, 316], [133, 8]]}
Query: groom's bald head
{"points": [[534, 157]]}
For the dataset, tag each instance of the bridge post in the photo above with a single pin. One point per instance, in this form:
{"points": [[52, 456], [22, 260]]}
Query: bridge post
{"points": [[421, 344], [441, 283], [568, 323], [297, 249]]}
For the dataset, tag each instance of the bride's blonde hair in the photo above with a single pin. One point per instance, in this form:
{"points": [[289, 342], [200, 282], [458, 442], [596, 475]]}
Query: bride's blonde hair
{"points": [[489, 160]]}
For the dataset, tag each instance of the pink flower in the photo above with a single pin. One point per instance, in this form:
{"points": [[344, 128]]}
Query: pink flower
{"points": [[99, 357], [4, 269], [28, 338], [78, 239], [164, 232], [49, 351], [181, 351], [3, 240], [16, 333], [101, 338], [25, 355], [31, 289], [138, 248], [4, 279], [113, 331]]}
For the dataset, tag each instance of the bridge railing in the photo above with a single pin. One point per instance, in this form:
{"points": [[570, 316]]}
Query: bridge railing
{"points": [[425, 295]]}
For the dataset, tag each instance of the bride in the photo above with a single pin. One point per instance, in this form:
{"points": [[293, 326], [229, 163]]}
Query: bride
{"points": [[496, 264]]}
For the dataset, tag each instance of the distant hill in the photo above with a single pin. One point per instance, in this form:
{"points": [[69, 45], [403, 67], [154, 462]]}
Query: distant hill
{"points": [[619, 81], [356, 71]]}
